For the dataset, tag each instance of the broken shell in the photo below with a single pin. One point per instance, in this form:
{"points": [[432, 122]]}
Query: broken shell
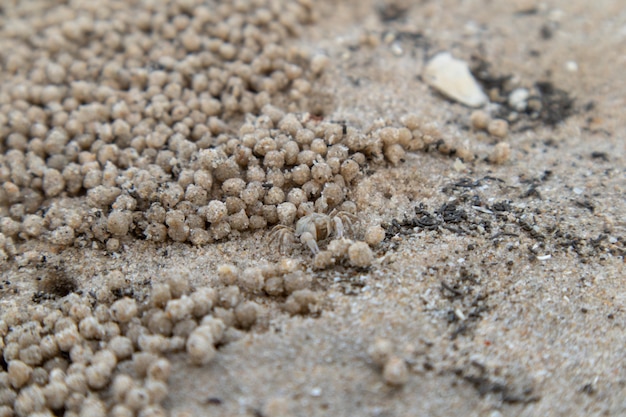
{"points": [[452, 78], [518, 99]]}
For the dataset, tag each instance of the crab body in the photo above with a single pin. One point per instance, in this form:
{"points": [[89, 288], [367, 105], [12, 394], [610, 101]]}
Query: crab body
{"points": [[314, 227]]}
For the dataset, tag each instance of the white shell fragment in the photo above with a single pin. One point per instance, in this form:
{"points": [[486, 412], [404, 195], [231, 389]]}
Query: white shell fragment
{"points": [[452, 78], [518, 99]]}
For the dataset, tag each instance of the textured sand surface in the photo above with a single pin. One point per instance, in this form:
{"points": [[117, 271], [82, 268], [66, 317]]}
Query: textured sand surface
{"points": [[512, 305]]}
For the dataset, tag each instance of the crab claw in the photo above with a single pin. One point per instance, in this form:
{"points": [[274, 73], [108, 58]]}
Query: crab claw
{"points": [[339, 230], [307, 238]]}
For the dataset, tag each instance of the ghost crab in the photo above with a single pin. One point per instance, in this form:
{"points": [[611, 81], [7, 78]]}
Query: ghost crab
{"points": [[314, 227]]}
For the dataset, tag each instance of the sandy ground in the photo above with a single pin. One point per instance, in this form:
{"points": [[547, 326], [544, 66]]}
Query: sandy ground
{"points": [[487, 322]]}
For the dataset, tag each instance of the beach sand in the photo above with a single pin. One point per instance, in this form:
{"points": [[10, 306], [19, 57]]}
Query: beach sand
{"points": [[497, 290]]}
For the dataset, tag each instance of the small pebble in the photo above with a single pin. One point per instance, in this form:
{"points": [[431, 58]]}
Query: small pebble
{"points": [[19, 373], [124, 310], [518, 99], [571, 66], [179, 309], [301, 302], [498, 128], [500, 153], [380, 351], [374, 235], [323, 259], [480, 119], [200, 346], [360, 255], [395, 371], [137, 398], [227, 274], [160, 370]]}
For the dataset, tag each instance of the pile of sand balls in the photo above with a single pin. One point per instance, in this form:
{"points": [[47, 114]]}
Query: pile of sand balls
{"points": [[286, 278], [82, 357], [86, 356], [170, 120]]}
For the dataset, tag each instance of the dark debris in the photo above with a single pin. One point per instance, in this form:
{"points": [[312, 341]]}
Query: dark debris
{"points": [[390, 12], [586, 204], [465, 288], [600, 155], [557, 105], [465, 213], [588, 389], [513, 390], [547, 104], [54, 283]]}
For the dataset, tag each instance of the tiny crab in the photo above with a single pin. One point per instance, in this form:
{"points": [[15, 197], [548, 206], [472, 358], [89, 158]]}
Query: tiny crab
{"points": [[314, 227]]}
